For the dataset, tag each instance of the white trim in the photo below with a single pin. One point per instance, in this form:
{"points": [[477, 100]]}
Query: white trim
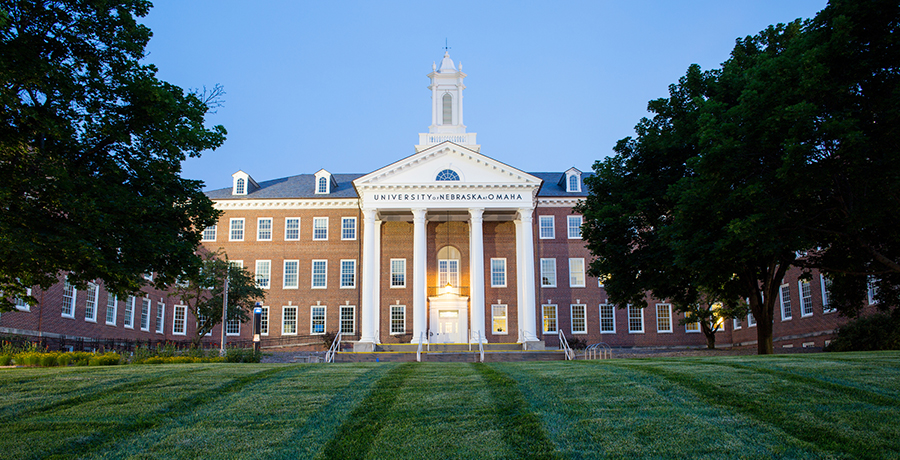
{"points": [[352, 308], [552, 227], [286, 219], [612, 309], [544, 328], [71, 304], [284, 278], [807, 301], [668, 308], [782, 302], [312, 274], [499, 259], [643, 328], [313, 203], [146, 302], [402, 309], [259, 221], [505, 317], [569, 227], [572, 282], [391, 274], [115, 308], [95, 301], [550, 283], [175, 321], [355, 228], [353, 286], [312, 319], [268, 283], [160, 318], [264, 319], [284, 310], [319, 219], [231, 229], [583, 308]]}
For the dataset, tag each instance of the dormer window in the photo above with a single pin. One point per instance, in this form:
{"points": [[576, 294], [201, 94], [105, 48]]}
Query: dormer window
{"points": [[573, 183], [324, 183], [447, 174], [571, 180], [243, 184], [239, 187]]}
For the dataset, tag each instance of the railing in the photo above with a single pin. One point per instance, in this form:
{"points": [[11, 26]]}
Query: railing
{"points": [[564, 344], [598, 351], [480, 348], [437, 138], [419, 350], [335, 346]]}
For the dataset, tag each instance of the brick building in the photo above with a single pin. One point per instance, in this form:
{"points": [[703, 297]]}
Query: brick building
{"points": [[447, 245]]}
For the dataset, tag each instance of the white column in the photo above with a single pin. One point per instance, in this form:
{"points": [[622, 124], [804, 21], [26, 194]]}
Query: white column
{"points": [[520, 280], [419, 275], [376, 285], [368, 322], [476, 270], [527, 304]]}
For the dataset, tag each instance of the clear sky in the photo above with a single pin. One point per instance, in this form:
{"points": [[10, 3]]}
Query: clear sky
{"points": [[342, 85]]}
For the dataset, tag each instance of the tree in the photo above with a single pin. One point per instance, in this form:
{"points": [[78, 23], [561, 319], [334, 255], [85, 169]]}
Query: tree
{"points": [[202, 293], [91, 145]]}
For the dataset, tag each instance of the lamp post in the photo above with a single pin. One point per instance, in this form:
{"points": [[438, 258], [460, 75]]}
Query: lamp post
{"points": [[224, 311]]}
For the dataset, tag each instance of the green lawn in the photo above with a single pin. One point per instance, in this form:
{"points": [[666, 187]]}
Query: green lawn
{"points": [[789, 406]]}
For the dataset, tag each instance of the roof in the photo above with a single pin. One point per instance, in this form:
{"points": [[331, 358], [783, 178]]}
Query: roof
{"points": [[304, 186]]}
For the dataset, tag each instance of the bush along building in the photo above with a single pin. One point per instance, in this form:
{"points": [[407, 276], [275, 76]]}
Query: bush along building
{"points": [[447, 245]]}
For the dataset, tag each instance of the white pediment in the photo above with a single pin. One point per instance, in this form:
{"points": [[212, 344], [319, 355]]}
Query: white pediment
{"points": [[474, 180]]}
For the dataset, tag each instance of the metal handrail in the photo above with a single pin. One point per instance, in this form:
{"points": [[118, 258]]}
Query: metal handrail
{"points": [[419, 350], [598, 351], [570, 354], [480, 347], [335, 346]]}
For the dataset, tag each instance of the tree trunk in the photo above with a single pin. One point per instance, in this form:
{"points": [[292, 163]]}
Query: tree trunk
{"points": [[710, 334]]}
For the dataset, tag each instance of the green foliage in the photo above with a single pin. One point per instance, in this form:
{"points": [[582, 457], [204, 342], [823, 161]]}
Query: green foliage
{"points": [[56, 358], [106, 359], [878, 331], [91, 143], [242, 355]]}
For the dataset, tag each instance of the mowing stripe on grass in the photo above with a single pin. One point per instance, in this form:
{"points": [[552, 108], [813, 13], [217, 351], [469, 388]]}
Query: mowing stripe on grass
{"points": [[108, 434], [522, 429], [819, 435], [355, 437]]}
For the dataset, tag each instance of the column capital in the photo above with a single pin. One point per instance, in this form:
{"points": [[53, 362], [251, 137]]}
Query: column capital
{"points": [[419, 213], [525, 214], [370, 213]]}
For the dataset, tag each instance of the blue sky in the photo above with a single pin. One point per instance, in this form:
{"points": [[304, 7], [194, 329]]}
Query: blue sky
{"points": [[342, 85]]}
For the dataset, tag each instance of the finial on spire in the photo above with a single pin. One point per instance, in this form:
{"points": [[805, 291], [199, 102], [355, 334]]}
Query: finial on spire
{"points": [[446, 48]]}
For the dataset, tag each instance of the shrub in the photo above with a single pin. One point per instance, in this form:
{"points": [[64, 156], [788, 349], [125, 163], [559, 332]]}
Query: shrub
{"points": [[63, 359], [48, 359], [107, 359], [880, 331], [5, 360], [242, 355]]}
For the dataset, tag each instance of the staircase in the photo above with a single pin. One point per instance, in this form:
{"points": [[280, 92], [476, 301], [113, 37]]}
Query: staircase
{"points": [[450, 352]]}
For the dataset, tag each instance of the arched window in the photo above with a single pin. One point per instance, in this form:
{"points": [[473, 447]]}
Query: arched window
{"points": [[447, 107], [448, 267], [573, 183], [323, 185], [239, 187], [447, 174]]}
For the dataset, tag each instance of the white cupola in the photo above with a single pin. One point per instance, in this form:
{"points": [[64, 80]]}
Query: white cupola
{"points": [[447, 107]]}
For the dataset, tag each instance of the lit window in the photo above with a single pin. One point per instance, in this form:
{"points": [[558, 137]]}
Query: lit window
{"points": [[348, 319], [398, 273], [548, 272], [398, 319], [805, 299], [448, 272], [263, 273], [68, 303], [607, 319], [112, 303], [549, 318], [786, 313], [320, 228], [239, 188], [348, 228], [237, 230], [264, 321], [179, 320], [498, 272], [291, 268], [317, 319], [663, 317], [145, 314], [90, 304], [292, 229], [574, 227], [129, 312], [160, 317], [447, 174], [289, 321], [546, 227], [319, 271], [576, 272], [499, 319], [579, 319], [264, 229], [323, 185], [209, 233], [348, 274], [692, 327], [635, 320]]}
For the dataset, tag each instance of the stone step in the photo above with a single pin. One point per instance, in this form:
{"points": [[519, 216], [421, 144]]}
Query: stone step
{"points": [[448, 347], [451, 357]]}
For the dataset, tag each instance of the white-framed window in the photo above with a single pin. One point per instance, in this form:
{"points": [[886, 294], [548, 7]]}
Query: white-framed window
{"points": [[320, 228], [692, 327], [398, 319], [112, 303], [263, 274], [806, 307], [546, 229], [663, 317], [291, 274], [872, 291], [751, 320], [239, 187], [317, 319], [607, 318], [348, 228], [145, 314], [499, 320], [348, 274], [264, 229], [579, 318], [320, 274], [574, 227], [21, 304], [398, 273], [785, 299], [737, 324], [292, 229], [160, 317], [573, 185], [548, 313], [237, 229], [201, 319], [448, 272], [90, 302], [233, 327], [825, 285], [264, 321], [289, 320], [322, 185], [348, 319], [68, 303], [209, 233], [576, 272], [498, 272], [548, 272], [179, 320], [129, 312], [635, 320]]}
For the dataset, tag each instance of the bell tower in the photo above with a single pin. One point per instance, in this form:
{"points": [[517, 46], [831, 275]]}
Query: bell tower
{"points": [[447, 107]]}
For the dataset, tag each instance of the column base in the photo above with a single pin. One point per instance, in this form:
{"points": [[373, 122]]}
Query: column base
{"points": [[363, 347]]}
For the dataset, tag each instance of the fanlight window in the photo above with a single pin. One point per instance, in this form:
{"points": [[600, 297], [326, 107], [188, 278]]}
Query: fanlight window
{"points": [[447, 174]]}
